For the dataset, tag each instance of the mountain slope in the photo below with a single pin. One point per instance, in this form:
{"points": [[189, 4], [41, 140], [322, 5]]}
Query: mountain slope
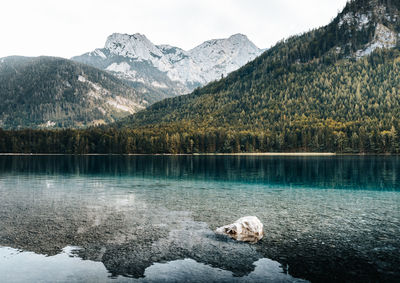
{"points": [[167, 70], [317, 91], [50, 92]]}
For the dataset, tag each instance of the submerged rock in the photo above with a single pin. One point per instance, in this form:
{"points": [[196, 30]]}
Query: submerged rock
{"points": [[245, 229]]}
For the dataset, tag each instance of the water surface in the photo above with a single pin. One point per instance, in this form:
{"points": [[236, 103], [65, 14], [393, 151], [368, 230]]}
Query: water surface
{"points": [[152, 218]]}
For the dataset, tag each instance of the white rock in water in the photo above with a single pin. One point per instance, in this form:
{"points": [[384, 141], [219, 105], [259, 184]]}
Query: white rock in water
{"points": [[246, 229]]}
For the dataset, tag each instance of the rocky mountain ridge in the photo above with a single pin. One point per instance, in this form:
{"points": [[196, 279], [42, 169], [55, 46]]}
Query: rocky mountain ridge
{"points": [[168, 69]]}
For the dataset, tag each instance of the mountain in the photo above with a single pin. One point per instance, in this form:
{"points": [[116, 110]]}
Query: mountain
{"points": [[167, 71], [46, 92], [331, 89]]}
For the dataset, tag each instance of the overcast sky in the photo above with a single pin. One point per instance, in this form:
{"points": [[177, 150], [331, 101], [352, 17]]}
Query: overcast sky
{"points": [[71, 27]]}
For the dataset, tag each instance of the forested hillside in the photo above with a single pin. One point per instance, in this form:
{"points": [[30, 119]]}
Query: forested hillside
{"points": [[342, 115], [48, 92], [315, 75]]}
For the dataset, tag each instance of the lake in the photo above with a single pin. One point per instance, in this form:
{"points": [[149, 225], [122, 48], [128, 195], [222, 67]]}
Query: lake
{"points": [[152, 218]]}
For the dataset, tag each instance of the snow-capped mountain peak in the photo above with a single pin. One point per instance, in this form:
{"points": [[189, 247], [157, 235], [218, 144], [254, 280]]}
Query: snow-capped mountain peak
{"points": [[135, 46], [126, 55], [222, 56], [240, 39]]}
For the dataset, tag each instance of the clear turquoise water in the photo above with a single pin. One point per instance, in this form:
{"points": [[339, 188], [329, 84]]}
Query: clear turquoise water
{"points": [[151, 218]]}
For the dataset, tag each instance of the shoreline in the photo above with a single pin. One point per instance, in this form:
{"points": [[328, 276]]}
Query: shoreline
{"points": [[272, 154]]}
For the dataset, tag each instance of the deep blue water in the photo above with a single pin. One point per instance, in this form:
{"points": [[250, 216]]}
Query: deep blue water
{"points": [[151, 218]]}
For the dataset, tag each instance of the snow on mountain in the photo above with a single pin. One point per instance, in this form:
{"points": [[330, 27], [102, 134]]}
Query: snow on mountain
{"points": [[368, 25], [117, 103], [137, 59], [135, 46], [124, 69], [221, 56], [361, 20], [384, 38]]}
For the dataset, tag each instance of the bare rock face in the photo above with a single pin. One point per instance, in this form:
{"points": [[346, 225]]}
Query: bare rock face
{"points": [[245, 229]]}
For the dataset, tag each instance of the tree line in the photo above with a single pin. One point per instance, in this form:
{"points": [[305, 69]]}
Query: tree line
{"points": [[303, 136]]}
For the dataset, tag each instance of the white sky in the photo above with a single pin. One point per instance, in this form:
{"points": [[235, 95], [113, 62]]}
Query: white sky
{"points": [[67, 28]]}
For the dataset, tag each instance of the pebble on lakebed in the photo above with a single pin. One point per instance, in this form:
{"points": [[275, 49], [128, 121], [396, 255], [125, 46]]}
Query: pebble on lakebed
{"points": [[246, 229]]}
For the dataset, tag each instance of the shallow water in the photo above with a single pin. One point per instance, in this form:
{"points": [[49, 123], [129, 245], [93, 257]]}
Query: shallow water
{"points": [[18, 266], [152, 218]]}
